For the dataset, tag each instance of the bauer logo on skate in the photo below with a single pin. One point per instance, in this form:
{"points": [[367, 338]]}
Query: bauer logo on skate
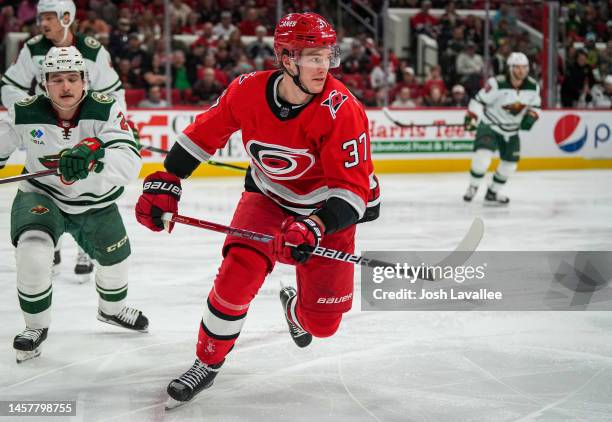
{"points": [[570, 133], [280, 163]]}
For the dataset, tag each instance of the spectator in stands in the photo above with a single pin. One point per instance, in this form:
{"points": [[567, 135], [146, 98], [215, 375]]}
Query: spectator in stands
{"points": [[180, 11], [423, 22], [377, 75], [458, 97], [93, 25], [250, 22], [154, 98], [578, 80], [259, 50], [469, 67], [155, 75], [243, 65], [404, 99], [224, 60], [591, 49], [106, 10], [434, 98], [448, 21], [605, 59], [235, 45], [209, 10], [207, 39], [573, 24], [504, 13], [380, 98], [182, 79], [474, 30], [26, 12], [224, 28], [500, 58], [501, 32], [119, 37], [207, 89], [408, 80], [434, 80], [129, 78], [356, 61], [602, 94], [8, 22], [134, 52], [194, 26]]}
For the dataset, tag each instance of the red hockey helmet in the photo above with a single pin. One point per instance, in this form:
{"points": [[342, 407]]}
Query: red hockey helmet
{"points": [[297, 31]]}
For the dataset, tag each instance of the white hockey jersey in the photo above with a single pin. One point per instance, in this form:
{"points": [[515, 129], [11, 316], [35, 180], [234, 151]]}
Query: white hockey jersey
{"points": [[17, 80], [502, 106], [34, 123]]}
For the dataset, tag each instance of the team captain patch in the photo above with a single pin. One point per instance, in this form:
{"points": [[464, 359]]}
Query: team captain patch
{"points": [[39, 209], [334, 101]]}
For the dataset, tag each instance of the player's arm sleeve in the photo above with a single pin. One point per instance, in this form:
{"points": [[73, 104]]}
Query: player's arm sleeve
{"points": [[201, 139], [8, 138], [104, 78], [347, 165], [16, 81], [536, 105], [484, 97], [121, 157]]}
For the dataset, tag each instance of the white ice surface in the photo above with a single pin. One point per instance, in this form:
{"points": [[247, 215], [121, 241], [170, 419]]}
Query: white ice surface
{"points": [[380, 366]]}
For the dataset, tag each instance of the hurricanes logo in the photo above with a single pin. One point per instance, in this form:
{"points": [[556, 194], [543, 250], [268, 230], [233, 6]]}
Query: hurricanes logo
{"points": [[39, 209], [514, 108], [280, 163], [334, 101]]}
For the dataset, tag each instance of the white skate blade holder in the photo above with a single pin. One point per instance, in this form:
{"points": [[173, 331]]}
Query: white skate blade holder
{"points": [[23, 355]]}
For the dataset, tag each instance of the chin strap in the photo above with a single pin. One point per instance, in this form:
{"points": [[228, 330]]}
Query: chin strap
{"points": [[296, 80]]}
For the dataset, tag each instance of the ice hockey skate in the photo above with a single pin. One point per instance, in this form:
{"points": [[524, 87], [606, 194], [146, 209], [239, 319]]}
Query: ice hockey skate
{"points": [[27, 344], [127, 317], [493, 199], [84, 267], [300, 337], [470, 193], [199, 377]]}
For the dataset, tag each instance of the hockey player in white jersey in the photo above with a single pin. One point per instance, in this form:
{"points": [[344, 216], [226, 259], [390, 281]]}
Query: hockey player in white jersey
{"points": [[85, 136], [55, 18], [507, 103]]}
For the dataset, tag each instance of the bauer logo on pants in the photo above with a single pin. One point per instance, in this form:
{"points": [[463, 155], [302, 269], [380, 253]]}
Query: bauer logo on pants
{"points": [[39, 209]]}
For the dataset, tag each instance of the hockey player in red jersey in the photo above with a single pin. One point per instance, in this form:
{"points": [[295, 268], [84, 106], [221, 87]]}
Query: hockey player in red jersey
{"points": [[310, 181]]}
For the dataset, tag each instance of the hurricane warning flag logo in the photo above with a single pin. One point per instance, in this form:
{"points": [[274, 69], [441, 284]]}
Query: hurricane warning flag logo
{"points": [[570, 133], [334, 101]]}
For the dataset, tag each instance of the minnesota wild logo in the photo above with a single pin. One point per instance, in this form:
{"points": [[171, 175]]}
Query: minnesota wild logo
{"points": [[27, 101], [101, 98], [514, 108], [39, 209]]}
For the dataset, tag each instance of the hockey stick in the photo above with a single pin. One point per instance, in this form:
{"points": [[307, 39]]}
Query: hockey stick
{"points": [[212, 163], [385, 111], [27, 176], [265, 238], [464, 250]]}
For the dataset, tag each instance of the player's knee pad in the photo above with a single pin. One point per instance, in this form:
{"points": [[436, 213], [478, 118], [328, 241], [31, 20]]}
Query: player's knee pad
{"points": [[481, 160], [505, 169], [34, 258], [240, 276], [320, 324]]}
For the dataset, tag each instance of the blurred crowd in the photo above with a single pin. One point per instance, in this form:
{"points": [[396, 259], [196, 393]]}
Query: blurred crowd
{"points": [[217, 40]]}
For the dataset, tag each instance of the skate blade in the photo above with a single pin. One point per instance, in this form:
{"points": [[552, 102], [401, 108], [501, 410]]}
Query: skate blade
{"points": [[495, 204], [23, 355], [111, 322], [83, 278], [173, 404]]}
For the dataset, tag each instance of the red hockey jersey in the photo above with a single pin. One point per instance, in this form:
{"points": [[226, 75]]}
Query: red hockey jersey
{"points": [[300, 155]]}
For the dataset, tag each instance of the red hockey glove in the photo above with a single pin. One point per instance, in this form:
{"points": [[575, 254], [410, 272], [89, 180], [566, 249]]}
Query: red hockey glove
{"points": [[135, 132], [304, 233], [161, 193], [76, 163]]}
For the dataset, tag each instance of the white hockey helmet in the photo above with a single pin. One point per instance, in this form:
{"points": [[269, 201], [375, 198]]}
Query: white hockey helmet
{"points": [[517, 59], [63, 59], [60, 8]]}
